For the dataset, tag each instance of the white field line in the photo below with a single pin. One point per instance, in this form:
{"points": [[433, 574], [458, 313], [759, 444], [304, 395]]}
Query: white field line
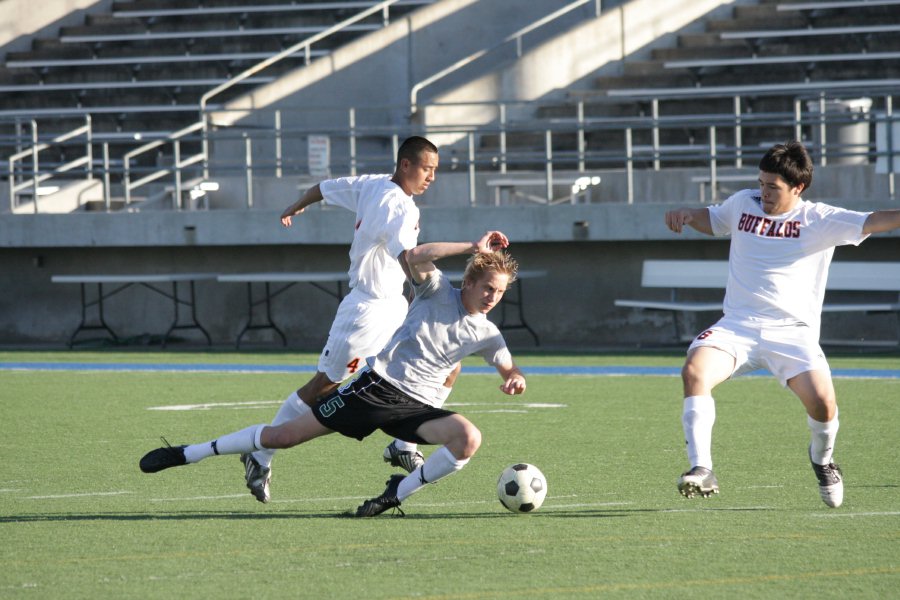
{"points": [[85, 495]]}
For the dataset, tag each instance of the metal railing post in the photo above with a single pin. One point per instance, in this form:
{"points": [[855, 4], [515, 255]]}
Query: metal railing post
{"points": [[352, 118], [248, 166], [889, 124], [177, 166], [798, 120], [713, 176], [582, 147], [106, 193], [279, 159], [502, 137], [35, 173], [471, 151], [654, 108], [629, 166], [126, 178], [548, 157], [738, 135], [89, 147], [823, 136]]}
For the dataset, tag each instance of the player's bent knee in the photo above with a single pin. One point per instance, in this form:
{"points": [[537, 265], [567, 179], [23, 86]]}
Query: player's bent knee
{"points": [[471, 441]]}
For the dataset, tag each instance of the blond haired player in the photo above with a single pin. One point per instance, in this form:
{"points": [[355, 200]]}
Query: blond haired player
{"points": [[400, 389], [387, 224], [781, 248]]}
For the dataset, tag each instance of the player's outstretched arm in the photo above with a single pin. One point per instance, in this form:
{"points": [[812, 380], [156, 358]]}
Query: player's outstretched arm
{"points": [[513, 380], [882, 220], [420, 260], [698, 218], [311, 196]]}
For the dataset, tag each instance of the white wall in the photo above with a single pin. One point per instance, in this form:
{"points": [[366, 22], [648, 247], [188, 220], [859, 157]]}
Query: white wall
{"points": [[20, 20]]}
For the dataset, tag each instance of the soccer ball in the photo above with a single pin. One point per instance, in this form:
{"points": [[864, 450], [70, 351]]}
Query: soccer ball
{"points": [[522, 488]]}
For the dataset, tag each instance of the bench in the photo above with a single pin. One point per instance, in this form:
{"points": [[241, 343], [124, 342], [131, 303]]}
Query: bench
{"points": [[742, 61], [149, 60], [158, 36], [180, 300], [248, 9], [126, 85], [703, 180], [809, 32], [713, 274], [508, 187], [323, 281], [854, 4], [760, 89]]}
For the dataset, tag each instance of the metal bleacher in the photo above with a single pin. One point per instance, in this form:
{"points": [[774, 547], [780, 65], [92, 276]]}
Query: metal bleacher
{"points": [[144, 65], [762, 59]]}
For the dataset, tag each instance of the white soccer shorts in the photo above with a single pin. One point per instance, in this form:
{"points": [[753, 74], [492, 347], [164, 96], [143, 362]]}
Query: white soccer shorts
{"points": [[785, 350], [361, 328]]}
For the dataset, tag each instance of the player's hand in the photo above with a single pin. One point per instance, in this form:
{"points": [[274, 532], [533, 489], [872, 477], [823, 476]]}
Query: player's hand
{"points": [[515, 384], [288, 213], [677, 219], [491, 241]]}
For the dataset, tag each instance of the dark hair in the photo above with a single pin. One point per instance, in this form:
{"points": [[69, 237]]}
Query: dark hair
{"points": [[791, 161], [412, 147]]}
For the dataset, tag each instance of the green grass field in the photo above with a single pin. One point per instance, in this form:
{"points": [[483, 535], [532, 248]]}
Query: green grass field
{"points": [[79, 520]]}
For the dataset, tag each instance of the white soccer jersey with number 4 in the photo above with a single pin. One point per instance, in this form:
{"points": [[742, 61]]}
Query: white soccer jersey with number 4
{"points": [[387, 223], [778, 265]]}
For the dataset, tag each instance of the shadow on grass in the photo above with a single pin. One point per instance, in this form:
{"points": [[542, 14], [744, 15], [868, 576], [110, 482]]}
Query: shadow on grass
{"points": [[240, 516]]}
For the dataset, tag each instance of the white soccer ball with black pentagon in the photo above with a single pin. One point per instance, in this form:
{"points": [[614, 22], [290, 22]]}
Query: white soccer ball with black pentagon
{"points": [[522, 488]]}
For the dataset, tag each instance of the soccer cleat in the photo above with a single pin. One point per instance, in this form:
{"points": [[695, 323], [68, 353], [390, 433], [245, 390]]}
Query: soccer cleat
{"points": [[385, 501], [831, 483], [163, 458], [257, 476], [699, 480], [405, 459]]}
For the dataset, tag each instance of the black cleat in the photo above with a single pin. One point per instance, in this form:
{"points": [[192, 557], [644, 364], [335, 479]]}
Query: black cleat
{"points": [[831, 483], [385, 501], [698, 481], [163, 458]]}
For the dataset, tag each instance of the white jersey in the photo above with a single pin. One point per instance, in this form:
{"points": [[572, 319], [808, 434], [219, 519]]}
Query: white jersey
{"points": [[778, 264], [438, 333], [387, 223]]}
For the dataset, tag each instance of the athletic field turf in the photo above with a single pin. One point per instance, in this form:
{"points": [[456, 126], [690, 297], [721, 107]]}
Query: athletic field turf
{"points": [[79, 520]]}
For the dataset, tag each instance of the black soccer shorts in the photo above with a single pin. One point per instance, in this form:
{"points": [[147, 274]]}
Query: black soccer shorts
{"points": [[368, 403]]}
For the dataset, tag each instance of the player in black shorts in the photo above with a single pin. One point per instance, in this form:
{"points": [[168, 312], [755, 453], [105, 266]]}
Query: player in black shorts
{"points": [[400, 391]]}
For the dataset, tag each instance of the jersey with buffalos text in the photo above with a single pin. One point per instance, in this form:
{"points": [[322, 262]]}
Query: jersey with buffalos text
{"points": [[778, 264], [387, 223]]}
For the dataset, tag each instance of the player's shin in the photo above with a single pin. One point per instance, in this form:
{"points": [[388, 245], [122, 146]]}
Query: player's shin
{"points": [[440, 464], [240, 442], [292, 408], [822, 438], [697, 419]]}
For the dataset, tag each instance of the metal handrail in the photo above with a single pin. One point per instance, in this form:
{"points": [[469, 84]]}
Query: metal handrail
{"points": [[302, 45], [517, 36], [33, 152], [175, 140]]}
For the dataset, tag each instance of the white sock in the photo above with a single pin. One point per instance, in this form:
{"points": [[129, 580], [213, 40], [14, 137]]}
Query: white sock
{"points": [[405, 446], [823, 435], [290, 409], [239, 442], [440, 464], [697, 419]]}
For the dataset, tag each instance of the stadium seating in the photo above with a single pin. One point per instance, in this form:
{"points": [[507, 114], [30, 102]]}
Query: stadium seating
{"points": [[143, 66], [768, 54]]}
